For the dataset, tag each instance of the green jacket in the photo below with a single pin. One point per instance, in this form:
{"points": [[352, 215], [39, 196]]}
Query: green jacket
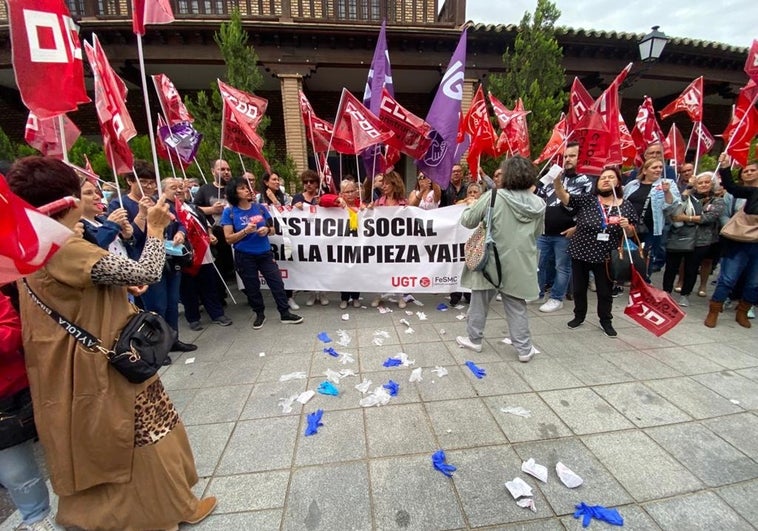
{"points": [[518, 219]]}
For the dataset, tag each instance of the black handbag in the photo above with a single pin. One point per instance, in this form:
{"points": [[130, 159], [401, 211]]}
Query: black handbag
{"points": [[618, 266], [16, 419], [139, 350]]}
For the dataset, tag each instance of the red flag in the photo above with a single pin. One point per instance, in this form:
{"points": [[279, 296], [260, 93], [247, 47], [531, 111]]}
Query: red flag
{"points": [[646, 129], [110, 101], [556, 143], [607, 106], [47, 56], [706, 139], [28, 238], [594, 139], [150, 12], [44, 135], [652, 308], [579, 103], [673, 146], [476, 123], [89, 173], [742, 128], [242, 114], [751, 65], [171, 103], [628, 149], [357, 126], [196, 235], [689, 101], [514, 137], [411, 132], [327, 173]]}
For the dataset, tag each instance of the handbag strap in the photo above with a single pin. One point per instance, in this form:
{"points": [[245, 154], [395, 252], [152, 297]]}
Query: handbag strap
{"points": [[90, 341], [489, 239]]}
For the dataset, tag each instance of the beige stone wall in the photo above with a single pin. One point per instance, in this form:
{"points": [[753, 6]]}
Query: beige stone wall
{"points": [[294, 130]]}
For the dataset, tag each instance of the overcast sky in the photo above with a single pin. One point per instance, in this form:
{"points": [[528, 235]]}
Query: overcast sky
{"points": [[733, 22]]}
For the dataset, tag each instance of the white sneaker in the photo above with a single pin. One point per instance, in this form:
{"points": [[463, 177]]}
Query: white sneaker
{"points": [[324, 299], [684, 301], [401, 303], [311, 299], [292, 304], [46, 524], [343, 305], [466, 343], [592, 285], [356, 303], [376, 301], [751, 313], [532, 352], [499, 297], [552, 305]]}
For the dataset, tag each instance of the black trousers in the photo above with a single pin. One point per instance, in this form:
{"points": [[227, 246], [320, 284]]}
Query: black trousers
{"points": [[692, 261], [580, 274]]}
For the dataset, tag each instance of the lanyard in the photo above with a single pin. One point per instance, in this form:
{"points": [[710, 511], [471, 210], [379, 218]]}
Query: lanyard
{"points": [[603, 215]]}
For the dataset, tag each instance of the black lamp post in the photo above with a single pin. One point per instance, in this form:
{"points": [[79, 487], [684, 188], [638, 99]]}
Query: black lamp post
{"points": [[652, 44]]}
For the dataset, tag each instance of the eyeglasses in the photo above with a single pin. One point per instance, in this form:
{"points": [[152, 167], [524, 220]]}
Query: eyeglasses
{"points": [[146, 183], [310, 182]]}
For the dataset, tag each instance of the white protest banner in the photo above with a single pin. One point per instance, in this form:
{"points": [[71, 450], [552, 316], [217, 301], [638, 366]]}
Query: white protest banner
{"points": [[394, 249]]}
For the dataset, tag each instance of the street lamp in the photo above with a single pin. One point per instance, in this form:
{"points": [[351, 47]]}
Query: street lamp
{"points": [[652, 44]]}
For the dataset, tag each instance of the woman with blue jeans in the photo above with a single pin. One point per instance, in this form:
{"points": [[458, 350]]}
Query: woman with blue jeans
{"points": [[738, 259]]}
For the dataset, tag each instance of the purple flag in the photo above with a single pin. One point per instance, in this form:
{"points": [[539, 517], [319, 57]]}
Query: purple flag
{"points": [[379, 76], [443, 116]]}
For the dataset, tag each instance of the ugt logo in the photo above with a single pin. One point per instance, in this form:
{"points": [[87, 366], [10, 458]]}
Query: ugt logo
{"points": [[52, 37]]}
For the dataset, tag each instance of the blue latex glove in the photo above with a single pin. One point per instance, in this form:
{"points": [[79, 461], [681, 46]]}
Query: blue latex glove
{"points": [[598, 512], [442, 307], [392, 387], [324, 337], [327, 388], [392, 362], [478, 371], [438, 460], [314, 421], [331, 352]]}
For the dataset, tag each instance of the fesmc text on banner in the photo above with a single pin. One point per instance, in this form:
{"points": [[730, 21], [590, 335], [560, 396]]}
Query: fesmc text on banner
{"points": [[394, 249]]}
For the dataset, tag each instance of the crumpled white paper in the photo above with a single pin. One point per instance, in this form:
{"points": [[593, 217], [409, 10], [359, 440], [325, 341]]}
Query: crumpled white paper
{"points": [[344, 373], [344, 338], [517, 410], [305, 396], [527, 503], [379, 397], [567, 476], [346, 358], [364, 386], [286, 403], [345, 317], [404, 361], [518, 488], [405, 322], [415, 375], [534, 469], [293, 376], [410, 331], [421, 316], [332, 376], [506, 341], [440, 371], [461, 316]]}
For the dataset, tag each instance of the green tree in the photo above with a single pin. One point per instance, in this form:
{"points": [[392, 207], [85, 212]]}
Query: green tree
{"points": [[534, 72]]}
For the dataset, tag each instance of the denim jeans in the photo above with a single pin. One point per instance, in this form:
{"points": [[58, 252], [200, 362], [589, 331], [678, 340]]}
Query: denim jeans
{"points": [[248, 268], [554, 254], [163, 298], [738, 260], [21, 476]]}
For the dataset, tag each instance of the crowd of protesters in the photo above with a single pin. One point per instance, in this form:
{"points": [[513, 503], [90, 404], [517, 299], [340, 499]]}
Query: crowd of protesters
{"points": [[117, 452]]}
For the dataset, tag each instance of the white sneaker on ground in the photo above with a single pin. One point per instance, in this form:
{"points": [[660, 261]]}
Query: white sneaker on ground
{"points": [[46, 524], [356, 303], [465, 342], [311, 299], [292, 304], [324, 299], [552, 305], [751, 313], [376, 301], [499, 297], [343, 305], [401, 303], [592, 285], [684, 301], [526, 358]]}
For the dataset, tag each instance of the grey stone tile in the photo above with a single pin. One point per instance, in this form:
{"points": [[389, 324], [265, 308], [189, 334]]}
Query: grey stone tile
{"points": [[543, 423], [641, 405], [501, 378], [181, 397], [208, 442], [745, 345], [635, 519], [348, 398], [593, 369], [341, 438], [407, 392], [314, 502], [238, 372], [321, 361], [423, 332], [372, 358], [732, 386], [395, 430], [493, 351], [584, 411], [707, 456], [642, 467], [260, 521], [599, 487], [726, 355], [454, 385], [192, 376], [751, 373], [408, 493], [739, 430], [741, 498], [548, 524], [463, 423], [683, 360], [545, 374], [217, 404], [259, 445], [365, 336], [642, 340], [480, 482], [264, 399], [276, 365], [249, 492], [692, 397], [640, 365], [703, 510]]}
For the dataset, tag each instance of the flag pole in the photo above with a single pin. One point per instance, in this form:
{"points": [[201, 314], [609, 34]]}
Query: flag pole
{"points": [[115, 180], [148, 113], [742, 120], [62, 131], [698, 124], [205, 180]]}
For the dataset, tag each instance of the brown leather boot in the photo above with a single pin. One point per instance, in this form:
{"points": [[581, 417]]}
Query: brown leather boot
{"points": [[204, 507], [714, 309], [741, 317]]}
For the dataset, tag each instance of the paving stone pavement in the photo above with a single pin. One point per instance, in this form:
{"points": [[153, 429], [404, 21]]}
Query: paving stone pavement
{"points": [[663, 429]]}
